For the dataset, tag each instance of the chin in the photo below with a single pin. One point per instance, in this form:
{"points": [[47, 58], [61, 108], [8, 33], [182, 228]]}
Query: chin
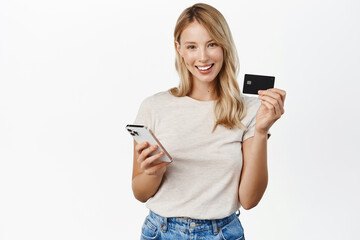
{"points": [[202, 78], [205, 78]]}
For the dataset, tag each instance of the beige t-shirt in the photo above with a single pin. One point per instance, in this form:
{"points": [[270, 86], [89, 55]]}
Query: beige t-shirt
{"points": [[202, 181]]}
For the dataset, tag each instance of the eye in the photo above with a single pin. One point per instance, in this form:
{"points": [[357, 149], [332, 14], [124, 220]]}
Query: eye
{"points": [[212, 45], [190, 47]]}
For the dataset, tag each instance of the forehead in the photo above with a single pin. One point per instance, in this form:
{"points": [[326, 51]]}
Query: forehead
{"points": [[194, 32]]}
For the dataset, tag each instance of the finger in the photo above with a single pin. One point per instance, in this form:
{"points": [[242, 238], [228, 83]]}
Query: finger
{"points": [[271, 91], [279, 91], [275, 95], [148, 161], [153, 170], [145, 152], [269, 106], [268, 99], [283, 96], [278, 109], [140, 146]]}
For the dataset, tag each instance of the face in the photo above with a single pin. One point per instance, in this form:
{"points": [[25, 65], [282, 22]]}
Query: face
{"points": [[203, 57]]}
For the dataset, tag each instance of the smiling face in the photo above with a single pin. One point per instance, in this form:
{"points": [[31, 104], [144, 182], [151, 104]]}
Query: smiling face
{"points": [[203, 57]]}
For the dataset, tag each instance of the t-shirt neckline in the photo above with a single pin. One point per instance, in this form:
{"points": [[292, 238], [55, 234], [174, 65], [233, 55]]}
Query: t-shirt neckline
{"points": [[198, 101]]}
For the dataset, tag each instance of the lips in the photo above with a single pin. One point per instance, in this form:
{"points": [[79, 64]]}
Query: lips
{"points": [[205, 67]]}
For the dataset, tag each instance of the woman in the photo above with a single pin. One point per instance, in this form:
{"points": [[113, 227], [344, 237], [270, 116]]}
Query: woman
{"points": [[216, 136]]}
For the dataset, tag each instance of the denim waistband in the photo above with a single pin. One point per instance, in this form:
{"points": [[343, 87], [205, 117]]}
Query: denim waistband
{"points": [[194, 225]]}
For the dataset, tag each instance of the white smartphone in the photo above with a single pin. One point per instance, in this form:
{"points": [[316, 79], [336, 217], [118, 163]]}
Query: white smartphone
{"points": [[142, 133]]}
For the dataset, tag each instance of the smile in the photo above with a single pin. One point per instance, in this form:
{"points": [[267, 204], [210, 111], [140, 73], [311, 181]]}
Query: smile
{"points": [[205, 67]]}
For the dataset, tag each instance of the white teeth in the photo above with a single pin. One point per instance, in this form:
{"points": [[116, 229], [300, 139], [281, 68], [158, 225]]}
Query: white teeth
{"points": [[204, 68]]}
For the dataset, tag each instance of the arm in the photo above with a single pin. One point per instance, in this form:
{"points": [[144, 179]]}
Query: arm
{"points": [[254, 175], [146, 178]]}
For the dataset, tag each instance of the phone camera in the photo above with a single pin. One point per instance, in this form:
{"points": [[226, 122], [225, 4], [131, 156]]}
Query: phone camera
{"points": [[132, 132]]}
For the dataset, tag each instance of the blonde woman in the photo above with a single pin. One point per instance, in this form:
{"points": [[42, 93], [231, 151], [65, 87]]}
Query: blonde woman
{"points": [[216, 136]]}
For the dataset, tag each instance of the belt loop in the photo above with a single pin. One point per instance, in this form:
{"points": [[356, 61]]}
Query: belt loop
{"points": [[160, 220], [215, 227], [164, 224]]}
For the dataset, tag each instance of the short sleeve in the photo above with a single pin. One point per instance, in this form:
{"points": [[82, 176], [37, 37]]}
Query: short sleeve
{"points": [[253, 105], [144, 116], [250, 132]]}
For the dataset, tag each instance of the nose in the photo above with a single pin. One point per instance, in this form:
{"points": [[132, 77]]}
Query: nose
{"points": [[203, 55]]}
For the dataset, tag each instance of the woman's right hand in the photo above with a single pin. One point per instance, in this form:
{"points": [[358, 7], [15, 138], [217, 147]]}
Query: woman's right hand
{"points": [[146, 162]]}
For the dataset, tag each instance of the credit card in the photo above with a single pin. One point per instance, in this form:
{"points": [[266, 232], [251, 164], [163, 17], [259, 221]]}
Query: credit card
{"points": [[254, 83]]}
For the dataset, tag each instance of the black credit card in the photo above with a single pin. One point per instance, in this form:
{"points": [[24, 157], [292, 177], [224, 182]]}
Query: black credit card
{"points": [[254, 83]]}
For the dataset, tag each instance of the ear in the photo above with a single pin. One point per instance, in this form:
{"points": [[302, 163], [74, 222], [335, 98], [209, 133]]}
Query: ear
{"points": [[178, 47]]}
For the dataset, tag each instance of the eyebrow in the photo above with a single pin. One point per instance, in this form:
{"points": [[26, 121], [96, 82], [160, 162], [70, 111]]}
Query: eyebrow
{"points": [[195, 42]]}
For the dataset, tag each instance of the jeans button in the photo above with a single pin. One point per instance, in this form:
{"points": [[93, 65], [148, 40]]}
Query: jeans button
{"points": [[192, 224]]}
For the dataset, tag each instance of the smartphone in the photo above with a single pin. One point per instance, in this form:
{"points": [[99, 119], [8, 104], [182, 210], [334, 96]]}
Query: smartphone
{"points": [[254, 83], [142, 133]]}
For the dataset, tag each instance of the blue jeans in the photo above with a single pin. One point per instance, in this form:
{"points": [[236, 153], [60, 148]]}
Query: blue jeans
{"points": [[160, 228]]}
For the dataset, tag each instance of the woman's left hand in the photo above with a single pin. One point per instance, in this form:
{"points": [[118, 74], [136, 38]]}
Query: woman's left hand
{"points": [[270, 110]]}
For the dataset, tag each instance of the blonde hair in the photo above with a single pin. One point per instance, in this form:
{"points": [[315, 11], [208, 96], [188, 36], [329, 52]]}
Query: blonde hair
{"points": [[229, 109]]}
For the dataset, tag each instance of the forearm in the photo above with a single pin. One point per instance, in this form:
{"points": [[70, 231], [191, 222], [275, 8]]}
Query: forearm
{"points": [[145, 186], [254, 178]]}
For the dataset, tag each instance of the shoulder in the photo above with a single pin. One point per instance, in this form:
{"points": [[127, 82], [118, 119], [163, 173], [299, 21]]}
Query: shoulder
{"points": [[163, 95], [158, 97]]}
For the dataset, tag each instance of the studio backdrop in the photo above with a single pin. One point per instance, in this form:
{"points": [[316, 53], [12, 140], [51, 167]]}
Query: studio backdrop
{"points": [[73, 74]]}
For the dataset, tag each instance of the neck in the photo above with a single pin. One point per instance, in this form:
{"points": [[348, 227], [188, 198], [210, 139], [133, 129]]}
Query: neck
{"points": [[203, 91]]}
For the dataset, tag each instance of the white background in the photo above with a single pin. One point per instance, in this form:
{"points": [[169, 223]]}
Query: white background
{"points": [[73, 73]]}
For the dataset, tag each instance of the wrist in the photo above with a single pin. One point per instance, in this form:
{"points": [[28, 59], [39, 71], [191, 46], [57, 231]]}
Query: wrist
{"points": [[261, 133]]}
